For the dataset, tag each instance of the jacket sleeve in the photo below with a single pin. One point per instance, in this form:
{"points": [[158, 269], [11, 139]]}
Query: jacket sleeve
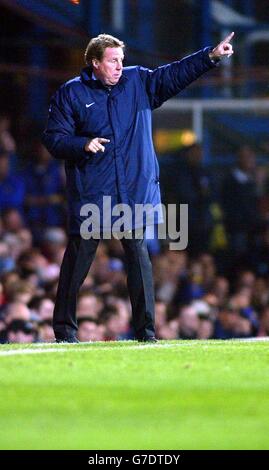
{"points": [[168, 80], [60, 134]]}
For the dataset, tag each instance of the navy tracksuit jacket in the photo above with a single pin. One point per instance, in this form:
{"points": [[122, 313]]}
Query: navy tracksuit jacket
{"points": [[83, 108]]}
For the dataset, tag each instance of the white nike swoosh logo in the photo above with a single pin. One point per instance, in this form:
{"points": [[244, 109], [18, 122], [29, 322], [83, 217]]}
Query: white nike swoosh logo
{"points": [[88, 105]]}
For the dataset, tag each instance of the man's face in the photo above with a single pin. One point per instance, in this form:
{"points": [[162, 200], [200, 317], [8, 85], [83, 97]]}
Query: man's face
{"points": [[109, 69]]}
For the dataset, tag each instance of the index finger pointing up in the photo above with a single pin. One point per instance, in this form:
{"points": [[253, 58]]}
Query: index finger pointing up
{"points": [[228, 38]]}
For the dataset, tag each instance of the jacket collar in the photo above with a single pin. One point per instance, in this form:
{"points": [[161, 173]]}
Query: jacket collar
{"points": [[86, 77]]}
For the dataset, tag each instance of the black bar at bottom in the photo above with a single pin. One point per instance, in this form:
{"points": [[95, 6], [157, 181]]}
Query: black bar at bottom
{"points": [[119, 459]]}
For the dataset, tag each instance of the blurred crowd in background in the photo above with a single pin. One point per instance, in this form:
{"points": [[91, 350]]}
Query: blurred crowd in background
{"points": [[217, 288]]}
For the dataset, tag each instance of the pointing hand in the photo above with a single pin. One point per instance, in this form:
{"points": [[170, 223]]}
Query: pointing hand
{"points": [[223, 49], [95, 145]]}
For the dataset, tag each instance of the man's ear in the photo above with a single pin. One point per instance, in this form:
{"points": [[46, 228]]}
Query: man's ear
{"points": [[95, 63]]}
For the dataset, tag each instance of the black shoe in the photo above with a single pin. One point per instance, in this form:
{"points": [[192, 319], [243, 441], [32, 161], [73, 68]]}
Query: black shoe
{"points": [[70, 339], [149, 339]]}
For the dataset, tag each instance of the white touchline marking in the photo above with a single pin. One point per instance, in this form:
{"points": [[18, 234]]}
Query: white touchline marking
{"points": [[47, 348], [14, 352]]}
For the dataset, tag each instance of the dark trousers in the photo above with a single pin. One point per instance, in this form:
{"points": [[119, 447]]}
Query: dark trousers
{"points": [[77, 261]]}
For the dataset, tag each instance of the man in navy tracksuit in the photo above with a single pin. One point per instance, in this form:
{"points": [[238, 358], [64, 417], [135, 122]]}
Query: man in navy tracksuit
{"points": [[100, 124]]}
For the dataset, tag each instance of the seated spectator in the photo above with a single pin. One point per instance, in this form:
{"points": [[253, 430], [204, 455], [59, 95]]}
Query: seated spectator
{"points": [[3, 333], [45, 332], [17, 311], [25, 239], [12, 221], [7, 142], [20, 291], [260, 255], [206, 327], [123, 308], [44, 192], [90, 330], [89, 305], [170, 271], [53, 243], [264, 322], [9, 180], [42, 307], [260, 294], [161, 317], [2, 298], [7, 262], [240, 204], [20, 331], [32, 262], [116, 325], [169, 330], [7, 280], [188, 323], [208, 268], [206, 314], [14, 247], [188, 182], [236, 320], [246, 278], [190, 286], [220, 289], [226, 322]]}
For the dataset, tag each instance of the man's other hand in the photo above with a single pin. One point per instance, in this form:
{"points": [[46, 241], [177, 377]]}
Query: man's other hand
{"points": [[95, 145]]}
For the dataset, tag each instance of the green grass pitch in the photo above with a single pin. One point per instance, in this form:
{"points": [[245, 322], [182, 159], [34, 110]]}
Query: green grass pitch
{"points": [[126, 395]]}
